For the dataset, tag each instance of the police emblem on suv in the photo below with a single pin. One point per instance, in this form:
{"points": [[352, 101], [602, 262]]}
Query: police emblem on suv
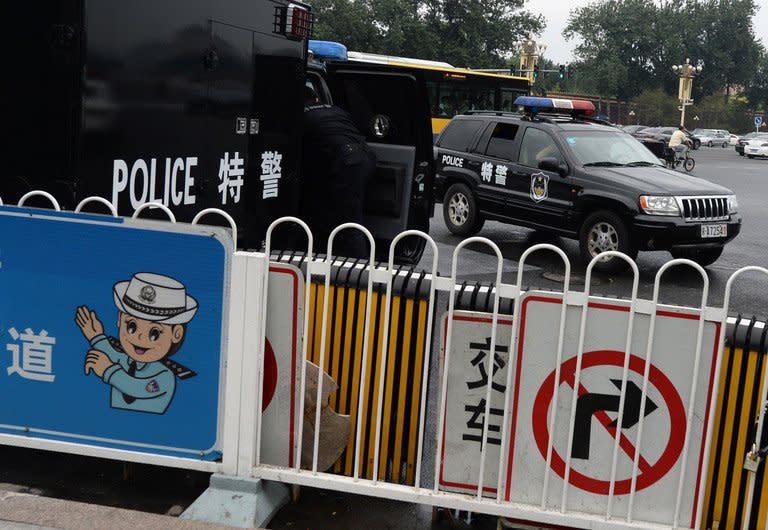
{"points": [[539, 187], [575, 177]]}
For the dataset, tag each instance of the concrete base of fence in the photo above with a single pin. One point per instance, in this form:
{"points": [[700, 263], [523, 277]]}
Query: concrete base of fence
{"points": [[240, 502]]}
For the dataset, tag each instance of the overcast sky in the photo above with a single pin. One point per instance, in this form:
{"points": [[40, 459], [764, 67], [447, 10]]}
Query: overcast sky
{"points": [[556, 14]]}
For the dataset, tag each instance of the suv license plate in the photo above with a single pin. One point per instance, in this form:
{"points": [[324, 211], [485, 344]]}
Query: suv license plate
{"points": [[714, 230]]}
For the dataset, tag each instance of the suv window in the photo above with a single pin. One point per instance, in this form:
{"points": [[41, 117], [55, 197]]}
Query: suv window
{"points": [[536, 145], [502, 140], [459, 134]]}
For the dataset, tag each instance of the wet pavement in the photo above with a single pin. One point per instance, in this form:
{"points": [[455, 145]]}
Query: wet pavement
{"points": [[167, 491]]}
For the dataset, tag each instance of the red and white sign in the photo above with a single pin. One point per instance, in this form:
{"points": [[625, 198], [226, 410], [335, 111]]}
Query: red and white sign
{"points": [[535, 397], [664, 416], [465, 403], [282, 375]]}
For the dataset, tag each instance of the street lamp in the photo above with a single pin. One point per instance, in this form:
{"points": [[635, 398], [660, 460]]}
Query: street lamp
{"points": [[530, 51], [685, 72]]}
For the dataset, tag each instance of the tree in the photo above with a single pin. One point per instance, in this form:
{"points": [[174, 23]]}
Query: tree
{"points": [[647, 38], [461, 32], [619, 44], [655, 107], [758, 90], [725, 43]]}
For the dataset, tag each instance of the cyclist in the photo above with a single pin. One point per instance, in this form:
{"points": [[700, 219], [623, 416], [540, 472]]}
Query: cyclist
{"points": [[679, 142]]}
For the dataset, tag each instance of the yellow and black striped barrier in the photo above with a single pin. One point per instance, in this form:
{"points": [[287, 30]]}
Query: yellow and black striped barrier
{"points": [[403, 376], [738, 405]]}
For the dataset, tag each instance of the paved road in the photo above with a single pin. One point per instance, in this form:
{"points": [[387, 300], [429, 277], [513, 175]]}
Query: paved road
{"points": [[747, 178]]}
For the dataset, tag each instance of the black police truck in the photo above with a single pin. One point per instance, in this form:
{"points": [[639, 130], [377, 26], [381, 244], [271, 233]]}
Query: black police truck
{"points": [[555, 169], [196, 104]]}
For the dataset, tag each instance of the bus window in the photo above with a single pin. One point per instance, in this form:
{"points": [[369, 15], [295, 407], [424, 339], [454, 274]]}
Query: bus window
{"points": [[483, 99], [508, 96], [433, 92]]}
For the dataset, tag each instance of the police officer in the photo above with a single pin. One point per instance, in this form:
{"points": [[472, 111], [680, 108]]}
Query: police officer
{"points": [[336, 166]]}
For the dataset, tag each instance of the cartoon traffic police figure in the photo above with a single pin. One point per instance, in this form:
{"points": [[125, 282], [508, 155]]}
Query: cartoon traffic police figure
{"points": [[153, 313]]}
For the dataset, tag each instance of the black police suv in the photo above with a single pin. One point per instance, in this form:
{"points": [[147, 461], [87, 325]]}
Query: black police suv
{"points": [[574, 177]]}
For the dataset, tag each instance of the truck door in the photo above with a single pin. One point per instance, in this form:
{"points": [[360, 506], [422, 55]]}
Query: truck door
{"points": [[390, 107]]}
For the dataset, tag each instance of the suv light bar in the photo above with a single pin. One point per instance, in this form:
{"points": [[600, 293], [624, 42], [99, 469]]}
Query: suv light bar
{"points": [[326, 49], [575, 107]]}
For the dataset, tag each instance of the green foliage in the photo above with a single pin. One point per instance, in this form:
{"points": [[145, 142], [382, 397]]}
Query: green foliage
{"points": [[461, 32], [631, 45], [655, 107], [716, 112], [757, 92]]}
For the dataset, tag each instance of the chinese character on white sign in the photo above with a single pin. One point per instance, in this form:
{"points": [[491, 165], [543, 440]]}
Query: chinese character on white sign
{"points": [[486, 171], [271, 172], [231, 173], [501, 175], [32, 359], [479, 380]]}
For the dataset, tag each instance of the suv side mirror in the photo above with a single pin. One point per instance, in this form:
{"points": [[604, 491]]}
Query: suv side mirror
{"points": [[551, 163]]}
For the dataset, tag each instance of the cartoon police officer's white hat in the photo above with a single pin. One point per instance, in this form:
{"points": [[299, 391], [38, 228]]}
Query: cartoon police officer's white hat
{"points": [[155, 297]]}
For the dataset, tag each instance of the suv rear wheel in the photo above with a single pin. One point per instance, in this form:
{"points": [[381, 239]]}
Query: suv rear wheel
{"points": [[702, 256], [603, 231], [460, 211]]}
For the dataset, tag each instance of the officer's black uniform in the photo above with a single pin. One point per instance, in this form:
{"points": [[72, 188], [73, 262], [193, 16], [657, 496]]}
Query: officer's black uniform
{"points": [[336, 166]]}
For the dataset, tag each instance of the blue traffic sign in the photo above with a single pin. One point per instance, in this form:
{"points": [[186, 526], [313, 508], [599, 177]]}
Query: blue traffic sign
{"points": [[758, 121], [111, 331]]}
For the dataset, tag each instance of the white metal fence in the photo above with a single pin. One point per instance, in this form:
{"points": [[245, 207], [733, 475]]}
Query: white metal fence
{"points": [[561, 513]]}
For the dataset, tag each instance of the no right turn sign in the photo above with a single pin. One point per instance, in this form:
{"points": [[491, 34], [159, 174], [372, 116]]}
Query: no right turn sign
{"points": [[579, 419]]}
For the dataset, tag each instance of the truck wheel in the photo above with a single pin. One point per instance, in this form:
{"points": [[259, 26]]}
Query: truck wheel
{"points": [[602, 231], [460, 211], [702, 256]]}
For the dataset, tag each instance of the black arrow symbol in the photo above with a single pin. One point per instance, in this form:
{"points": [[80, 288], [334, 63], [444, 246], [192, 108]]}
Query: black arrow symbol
{"points": [[589, 404]]}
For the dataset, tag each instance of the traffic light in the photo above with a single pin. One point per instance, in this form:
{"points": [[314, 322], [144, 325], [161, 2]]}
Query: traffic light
{"points": [[562, 71], [535, 71], [570, 71]]}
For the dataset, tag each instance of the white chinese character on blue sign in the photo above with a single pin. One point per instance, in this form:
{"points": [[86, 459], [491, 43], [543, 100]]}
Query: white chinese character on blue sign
{"points": [[33, 358]]}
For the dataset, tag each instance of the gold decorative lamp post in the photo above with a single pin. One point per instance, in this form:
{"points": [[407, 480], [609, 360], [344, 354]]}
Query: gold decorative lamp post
{"points": [[685, 72], [530, 51]]}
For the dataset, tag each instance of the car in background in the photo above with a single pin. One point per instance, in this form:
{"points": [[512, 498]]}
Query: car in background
{"points": [[757, 146], [632, 129], [739, 147], [713, 137], [663, 134], [733, 139]]}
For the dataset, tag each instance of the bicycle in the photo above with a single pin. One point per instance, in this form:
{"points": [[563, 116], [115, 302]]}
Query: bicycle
{"points": [[674, 160]]}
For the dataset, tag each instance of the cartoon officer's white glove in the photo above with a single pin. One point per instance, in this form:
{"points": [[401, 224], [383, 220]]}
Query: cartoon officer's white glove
{"points": [[89, 323]]}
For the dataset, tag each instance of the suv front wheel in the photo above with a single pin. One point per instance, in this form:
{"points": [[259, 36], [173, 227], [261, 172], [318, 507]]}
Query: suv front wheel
{"points": [[460, 211], [603, 231]]}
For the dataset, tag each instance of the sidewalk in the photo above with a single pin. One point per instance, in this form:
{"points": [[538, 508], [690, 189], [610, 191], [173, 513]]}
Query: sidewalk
{"points": [[22, 511]]}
